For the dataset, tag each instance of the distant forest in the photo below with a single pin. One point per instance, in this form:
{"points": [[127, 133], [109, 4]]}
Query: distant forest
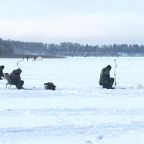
{"points": [[10, 48]]}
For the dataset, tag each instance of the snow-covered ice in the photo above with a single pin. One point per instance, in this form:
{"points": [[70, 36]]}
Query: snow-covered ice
{"points": [[79, 111]]}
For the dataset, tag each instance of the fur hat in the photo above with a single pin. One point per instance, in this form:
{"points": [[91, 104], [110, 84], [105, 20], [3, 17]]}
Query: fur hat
{"points": [[2, 66], [19, 70], [108, 67]]}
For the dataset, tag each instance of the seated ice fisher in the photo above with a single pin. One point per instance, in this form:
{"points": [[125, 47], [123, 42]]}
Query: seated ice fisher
{"points": [[16, 78], [105, 80]]}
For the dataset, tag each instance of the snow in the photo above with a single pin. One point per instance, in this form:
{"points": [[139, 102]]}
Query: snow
{"points": [[79, 111]]}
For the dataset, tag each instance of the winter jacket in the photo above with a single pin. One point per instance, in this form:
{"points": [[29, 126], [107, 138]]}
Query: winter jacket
{"points": [[104, 77], [15, 76]]}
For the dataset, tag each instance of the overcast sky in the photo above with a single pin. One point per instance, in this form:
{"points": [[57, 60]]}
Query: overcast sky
{"points": [[82, 21]]}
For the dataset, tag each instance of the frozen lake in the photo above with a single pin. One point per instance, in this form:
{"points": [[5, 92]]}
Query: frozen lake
{"points": [[79, 111]]}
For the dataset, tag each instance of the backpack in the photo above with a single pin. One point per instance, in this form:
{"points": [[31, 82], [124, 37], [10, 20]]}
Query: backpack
{"points": [[49, 86]]}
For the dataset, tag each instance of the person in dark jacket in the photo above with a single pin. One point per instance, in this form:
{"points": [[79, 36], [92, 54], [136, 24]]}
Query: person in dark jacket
{"points": [[16, 78], [105, 80], [1, 72]]}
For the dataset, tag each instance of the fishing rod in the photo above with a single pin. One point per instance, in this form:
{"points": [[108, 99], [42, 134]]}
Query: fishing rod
{"points": [[115, 83], [19, 62]]}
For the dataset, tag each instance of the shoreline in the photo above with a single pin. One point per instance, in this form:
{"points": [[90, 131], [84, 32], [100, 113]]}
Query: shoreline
{"points": [[29, 56]]}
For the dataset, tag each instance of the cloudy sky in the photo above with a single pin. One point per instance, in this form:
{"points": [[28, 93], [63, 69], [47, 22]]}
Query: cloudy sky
{"points": [[82, 21]]}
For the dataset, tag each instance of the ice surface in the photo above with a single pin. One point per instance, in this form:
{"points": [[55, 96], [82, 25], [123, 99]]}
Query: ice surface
{"points": [[79, 111]]}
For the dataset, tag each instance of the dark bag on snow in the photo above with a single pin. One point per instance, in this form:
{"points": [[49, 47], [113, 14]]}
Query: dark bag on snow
{"points": [[50, 86]]}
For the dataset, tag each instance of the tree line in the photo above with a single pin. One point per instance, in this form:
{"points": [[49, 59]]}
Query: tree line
{"points": [[10, 48]]}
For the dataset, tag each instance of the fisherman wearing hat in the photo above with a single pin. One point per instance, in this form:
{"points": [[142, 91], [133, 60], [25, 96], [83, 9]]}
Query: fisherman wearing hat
{"points": [[16, 78], [105, 80]]}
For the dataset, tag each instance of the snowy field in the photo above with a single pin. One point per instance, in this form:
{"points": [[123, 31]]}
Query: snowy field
{"points": [[79, 111]]}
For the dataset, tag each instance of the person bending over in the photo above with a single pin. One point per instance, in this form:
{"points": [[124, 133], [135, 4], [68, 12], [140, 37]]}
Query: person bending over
{"points": [[16, 78], [105, 80]]}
